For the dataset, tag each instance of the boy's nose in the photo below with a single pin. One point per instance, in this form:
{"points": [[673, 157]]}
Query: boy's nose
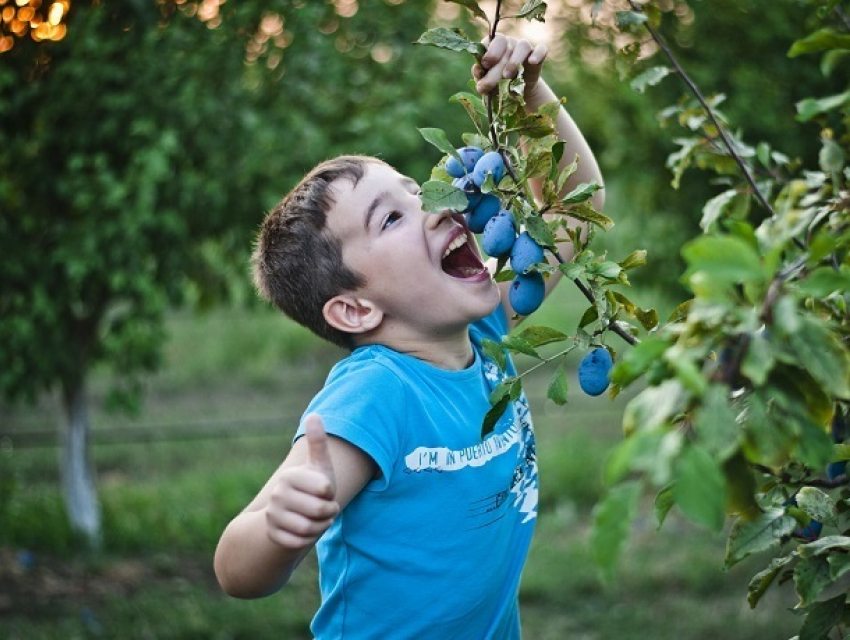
{"points": [[433, 220]]}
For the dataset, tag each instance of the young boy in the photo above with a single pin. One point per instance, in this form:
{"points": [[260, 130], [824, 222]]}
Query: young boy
{"points": [[421, 527]]}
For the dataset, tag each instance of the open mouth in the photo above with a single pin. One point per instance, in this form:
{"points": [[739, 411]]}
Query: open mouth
{"points": [[460, 260]]}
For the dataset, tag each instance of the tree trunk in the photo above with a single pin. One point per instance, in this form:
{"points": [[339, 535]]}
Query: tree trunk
{"points": [[78, 477]]}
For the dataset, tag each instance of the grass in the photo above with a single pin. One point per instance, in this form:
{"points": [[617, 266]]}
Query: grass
{"points": [[165, 503]]}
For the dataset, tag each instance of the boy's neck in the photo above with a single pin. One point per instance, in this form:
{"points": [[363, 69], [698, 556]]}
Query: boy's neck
{"points": [[452, 352]]}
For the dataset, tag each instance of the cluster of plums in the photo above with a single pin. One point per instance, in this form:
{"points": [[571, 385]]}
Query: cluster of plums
{"points": [[485, 215], [499, 236]]}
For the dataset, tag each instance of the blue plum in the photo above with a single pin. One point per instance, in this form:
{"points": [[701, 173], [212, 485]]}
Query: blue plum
{"points": [[499, 234], [527, 292], [473, 195], [525, 252], [836, 469], [487, 207], [491, 163], [469, 155], [594, 370]]}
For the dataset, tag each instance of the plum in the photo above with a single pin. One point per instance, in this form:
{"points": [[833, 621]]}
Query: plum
{"points": [[469, 156], [499, 234], [525, 252], [527, 292], [478, 217], [594, 370], [490, 163]]}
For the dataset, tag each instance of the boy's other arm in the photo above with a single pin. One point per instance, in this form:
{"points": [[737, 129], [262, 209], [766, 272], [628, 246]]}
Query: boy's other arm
{"points": [[503, 59], [260, 548]]}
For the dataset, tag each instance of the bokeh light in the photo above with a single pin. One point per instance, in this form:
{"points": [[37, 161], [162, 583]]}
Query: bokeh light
{"points": [[36, 19]]}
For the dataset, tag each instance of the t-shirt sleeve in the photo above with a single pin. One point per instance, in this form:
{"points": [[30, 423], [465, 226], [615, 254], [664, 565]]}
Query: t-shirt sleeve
{"points": [[364, 404]]}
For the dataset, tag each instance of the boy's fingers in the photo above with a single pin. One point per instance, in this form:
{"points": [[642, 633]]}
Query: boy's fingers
{"points": [[495, 50], [319, 455]]}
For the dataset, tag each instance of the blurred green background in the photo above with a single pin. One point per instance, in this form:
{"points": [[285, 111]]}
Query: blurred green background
{"points": [[139, 149]]}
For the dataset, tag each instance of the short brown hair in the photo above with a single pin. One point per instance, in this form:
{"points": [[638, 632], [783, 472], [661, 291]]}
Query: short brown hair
{"points": [[297, 261]]}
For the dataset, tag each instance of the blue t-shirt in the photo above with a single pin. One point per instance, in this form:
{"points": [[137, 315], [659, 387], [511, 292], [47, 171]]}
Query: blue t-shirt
{"points": [[434, 547]]}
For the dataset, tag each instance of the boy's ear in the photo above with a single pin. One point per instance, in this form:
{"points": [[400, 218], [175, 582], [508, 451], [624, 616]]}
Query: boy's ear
{"points": [[350, 314]]}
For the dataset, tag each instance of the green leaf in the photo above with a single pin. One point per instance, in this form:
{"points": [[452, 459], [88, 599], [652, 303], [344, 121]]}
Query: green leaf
{"points": [[822, 617], [810, 108], [758, 534], [533, 10], [649, 78], [824, 281], [626, 19], [539, 231], [475, 108], [654, 406], [590, 315], [811, 576], [581, 193], [759, 358], [637, 360], [839, 564], [537, 336], [818, 505], [558, 387], [820, 40], [517, 344], [587, 213], [495, 352], [612, 520], [823, 355], [715, 208], [493, 414], [822, 546], [700, 488], [452, 39], [664, 501], [633, 260], [437, 137], [472, 5], [648, 318], [509, 387], [715, 423], [438, 196], [763, 579], [717, 261], [651, 453]]}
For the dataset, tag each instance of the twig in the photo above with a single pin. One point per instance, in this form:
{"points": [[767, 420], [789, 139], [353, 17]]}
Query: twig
{"points": [[695, 90], [587, 293]]}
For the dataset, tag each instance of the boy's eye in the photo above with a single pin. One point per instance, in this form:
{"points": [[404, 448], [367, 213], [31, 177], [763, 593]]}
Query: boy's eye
{"points": [[392, 218]]}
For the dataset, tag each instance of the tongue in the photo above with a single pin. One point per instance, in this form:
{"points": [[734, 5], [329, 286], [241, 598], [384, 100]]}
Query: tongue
{"points": [[462, 263]]}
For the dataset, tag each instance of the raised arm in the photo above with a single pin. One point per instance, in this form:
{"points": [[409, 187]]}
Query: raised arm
{"points": [[260, 548], [504, 57]]}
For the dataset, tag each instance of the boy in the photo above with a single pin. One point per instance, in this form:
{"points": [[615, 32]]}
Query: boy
{"points": [[421, 527]]}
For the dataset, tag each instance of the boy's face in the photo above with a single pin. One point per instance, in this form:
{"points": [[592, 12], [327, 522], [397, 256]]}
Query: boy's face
{"points": [[423, 270]]}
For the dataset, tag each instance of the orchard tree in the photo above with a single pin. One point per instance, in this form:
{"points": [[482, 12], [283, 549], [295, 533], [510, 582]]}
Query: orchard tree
{"points": [[140, 144], [743, 418], [115, 181]]}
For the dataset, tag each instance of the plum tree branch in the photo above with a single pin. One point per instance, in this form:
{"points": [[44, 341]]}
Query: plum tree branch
{"points": [[748, 176], [730, 147]]}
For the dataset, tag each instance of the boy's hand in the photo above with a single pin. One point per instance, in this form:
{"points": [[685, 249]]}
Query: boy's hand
{"points": [[504, 57], [303, 504]]}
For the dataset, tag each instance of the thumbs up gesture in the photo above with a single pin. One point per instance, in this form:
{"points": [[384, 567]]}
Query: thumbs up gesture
{"points": [[303, 503]]}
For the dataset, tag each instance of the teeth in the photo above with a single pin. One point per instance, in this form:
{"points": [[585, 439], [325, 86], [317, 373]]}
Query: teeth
{"points": [[454, 244]]}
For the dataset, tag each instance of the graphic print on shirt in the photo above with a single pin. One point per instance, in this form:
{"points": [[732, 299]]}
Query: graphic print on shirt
{"points": [[521, 493]]}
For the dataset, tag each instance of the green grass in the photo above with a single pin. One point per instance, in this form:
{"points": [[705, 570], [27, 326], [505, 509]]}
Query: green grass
{"points": [[166, 502]]}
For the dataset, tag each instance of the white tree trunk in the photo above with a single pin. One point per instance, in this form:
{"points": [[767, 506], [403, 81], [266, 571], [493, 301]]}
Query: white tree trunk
{"points": [[78, 478]]}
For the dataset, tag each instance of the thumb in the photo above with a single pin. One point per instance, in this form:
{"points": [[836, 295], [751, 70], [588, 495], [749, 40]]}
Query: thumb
{"points": [[319, 455]]}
